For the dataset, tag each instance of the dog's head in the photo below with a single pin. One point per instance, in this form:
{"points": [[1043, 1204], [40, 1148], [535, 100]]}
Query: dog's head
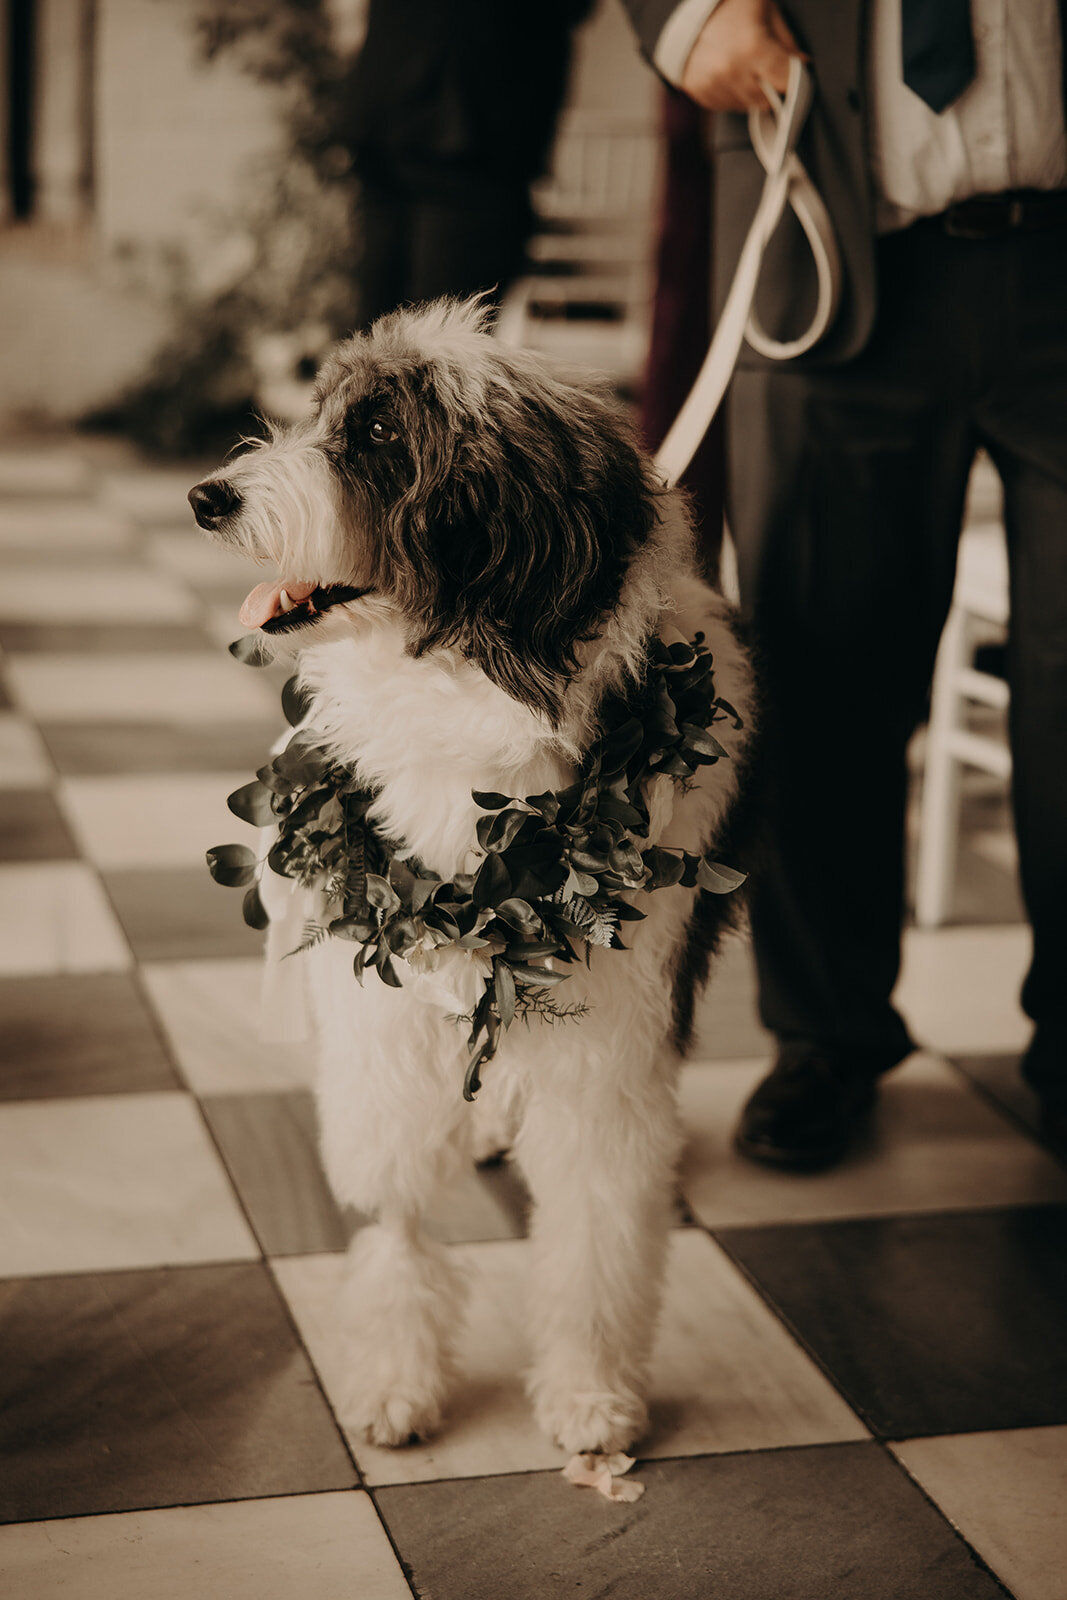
{"points": [[494, 505]]}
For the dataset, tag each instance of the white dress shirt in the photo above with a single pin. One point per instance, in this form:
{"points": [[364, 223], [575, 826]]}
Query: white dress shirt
{"points": [[1005, 131]]}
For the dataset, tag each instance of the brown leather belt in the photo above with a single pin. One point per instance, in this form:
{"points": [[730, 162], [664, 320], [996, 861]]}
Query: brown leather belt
{"points": [[993, 216]]}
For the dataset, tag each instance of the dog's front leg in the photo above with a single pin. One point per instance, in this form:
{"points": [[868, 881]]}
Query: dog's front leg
{"points": [[599, 1159], [392, 1124], [401, 1304]]}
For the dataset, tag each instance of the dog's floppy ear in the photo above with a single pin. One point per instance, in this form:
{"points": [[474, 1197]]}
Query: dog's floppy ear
{"points": [[528, 536]]}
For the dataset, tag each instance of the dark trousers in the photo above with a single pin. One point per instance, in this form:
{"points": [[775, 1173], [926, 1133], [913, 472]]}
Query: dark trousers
{"points": [[845, 499], [425, 235]]}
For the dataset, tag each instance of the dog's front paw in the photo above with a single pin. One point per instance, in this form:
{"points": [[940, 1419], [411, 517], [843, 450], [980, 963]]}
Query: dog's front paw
{"points": [[393, 1417], [596, 1420]]}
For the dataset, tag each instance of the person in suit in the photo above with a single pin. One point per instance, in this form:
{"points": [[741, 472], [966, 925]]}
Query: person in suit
{"points": [[937, 140], [449, 113]]}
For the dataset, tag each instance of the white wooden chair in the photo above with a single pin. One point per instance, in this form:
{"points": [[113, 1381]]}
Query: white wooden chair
{"points": [[979, 615], [587, 294]]}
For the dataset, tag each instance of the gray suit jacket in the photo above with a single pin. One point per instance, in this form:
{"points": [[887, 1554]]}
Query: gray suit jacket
{"points": [[833, 147]]}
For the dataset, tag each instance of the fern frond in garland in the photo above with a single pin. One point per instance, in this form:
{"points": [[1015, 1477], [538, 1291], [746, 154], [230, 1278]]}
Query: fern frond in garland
{"points": [[557, 868]]}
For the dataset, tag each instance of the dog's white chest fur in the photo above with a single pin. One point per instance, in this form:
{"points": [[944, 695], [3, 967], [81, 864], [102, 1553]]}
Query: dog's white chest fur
{"points": [[425, 732]]}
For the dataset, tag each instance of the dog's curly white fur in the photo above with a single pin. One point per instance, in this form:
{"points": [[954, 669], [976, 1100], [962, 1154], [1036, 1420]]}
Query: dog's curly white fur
{"points": [[516, 554]]}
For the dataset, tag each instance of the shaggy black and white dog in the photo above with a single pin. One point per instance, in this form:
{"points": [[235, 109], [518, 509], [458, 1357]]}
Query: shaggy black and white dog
{"points": [[471, 555]]}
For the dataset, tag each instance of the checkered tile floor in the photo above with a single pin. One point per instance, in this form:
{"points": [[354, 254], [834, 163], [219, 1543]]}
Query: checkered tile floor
{"points": [[860, 1389]]}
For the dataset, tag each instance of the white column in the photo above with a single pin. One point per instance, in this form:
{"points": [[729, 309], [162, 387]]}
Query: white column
{"points": [[5, 157], [62, 132]]}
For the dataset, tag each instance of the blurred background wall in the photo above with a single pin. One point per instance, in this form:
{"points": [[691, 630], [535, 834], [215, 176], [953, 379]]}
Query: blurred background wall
{"points": [[156, 205]]}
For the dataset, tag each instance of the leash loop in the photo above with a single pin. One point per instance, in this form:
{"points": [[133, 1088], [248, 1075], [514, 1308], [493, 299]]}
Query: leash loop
{"points": [[774, 136]]}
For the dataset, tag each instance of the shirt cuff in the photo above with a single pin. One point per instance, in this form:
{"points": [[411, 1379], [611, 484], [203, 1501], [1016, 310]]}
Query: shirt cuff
{"points": [[679, 35]]}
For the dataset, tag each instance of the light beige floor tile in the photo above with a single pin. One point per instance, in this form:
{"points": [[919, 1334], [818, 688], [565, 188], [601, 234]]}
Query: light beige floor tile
{"points": [[725, 1374], [726, 1024], [51, 471], [187, 553], [61, 593], [109, 1182], [165, 686], [151, 494], [210, 1011], [936, 1146], [63, 527], [1007, 1494], [55, 917], [169, 820], [24, 762], [996, 845], [489, 1426], [959, 988], [318, 1546]]}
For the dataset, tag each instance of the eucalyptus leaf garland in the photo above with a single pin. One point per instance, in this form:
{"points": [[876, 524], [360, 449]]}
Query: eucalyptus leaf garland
{"points": [[556, 870]]}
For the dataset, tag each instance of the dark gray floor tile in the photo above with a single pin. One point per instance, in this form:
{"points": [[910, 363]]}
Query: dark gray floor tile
{"points": [[78, 1034], [271, 1147], [32, 827], [82, 749], [269, 1143], [840, 1522], [108, 638], [927, 1324], [93, 748], [999, 1076], [179, 914], [169, 1387]]}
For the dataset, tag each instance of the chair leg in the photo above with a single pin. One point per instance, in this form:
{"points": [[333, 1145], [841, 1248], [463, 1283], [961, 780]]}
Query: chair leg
{"points": [[940, 809]]}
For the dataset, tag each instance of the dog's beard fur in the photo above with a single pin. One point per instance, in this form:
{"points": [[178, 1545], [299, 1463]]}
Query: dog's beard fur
{"points": [[496, 507]]}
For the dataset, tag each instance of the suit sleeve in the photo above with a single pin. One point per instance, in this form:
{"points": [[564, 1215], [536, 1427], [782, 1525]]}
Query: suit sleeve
{"points": [[667, 30]]}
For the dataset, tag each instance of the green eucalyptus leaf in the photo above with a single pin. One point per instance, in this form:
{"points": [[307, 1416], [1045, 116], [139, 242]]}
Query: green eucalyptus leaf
{"points": [[492, 882], [490, 801], [381, 894], [402, 878], [424, 889], [617, 747], [274, 781], [504, 992], [546, 805], [700, 740], [354, 927], [251, 650], [252, 803], [626, 861], [296, 703], [253, 909], [519, 914], [535, 977], [232, 865], [386, 971], [503, 829], [718, 878], [665, 867]]}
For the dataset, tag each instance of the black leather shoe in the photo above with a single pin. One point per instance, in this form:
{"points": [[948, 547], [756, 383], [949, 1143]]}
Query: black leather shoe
{"points": [[1052, 1123], [807, 1112]]}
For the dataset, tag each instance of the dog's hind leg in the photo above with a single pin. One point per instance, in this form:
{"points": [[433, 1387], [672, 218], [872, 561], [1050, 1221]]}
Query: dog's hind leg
{"points": [[599, 1155]]}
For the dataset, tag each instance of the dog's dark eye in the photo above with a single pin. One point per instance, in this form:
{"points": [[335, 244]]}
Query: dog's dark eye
{"points": [[381, 433]]}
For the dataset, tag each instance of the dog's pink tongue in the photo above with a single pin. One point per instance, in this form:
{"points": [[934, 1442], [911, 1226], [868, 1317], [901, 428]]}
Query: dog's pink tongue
{"points": [[265, 600]]}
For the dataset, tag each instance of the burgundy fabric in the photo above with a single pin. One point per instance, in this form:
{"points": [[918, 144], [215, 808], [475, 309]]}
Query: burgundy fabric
{"points": [[681, 317]]}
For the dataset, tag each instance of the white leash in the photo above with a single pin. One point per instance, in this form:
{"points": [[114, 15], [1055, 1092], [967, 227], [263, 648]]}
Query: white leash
{"points": [[774, 136]]}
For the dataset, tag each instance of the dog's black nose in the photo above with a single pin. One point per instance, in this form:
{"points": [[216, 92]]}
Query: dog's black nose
{"points": [[212, 501]]}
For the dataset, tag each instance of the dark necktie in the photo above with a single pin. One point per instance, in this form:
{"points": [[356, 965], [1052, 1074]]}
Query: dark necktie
{"points": [[938, 49]]}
